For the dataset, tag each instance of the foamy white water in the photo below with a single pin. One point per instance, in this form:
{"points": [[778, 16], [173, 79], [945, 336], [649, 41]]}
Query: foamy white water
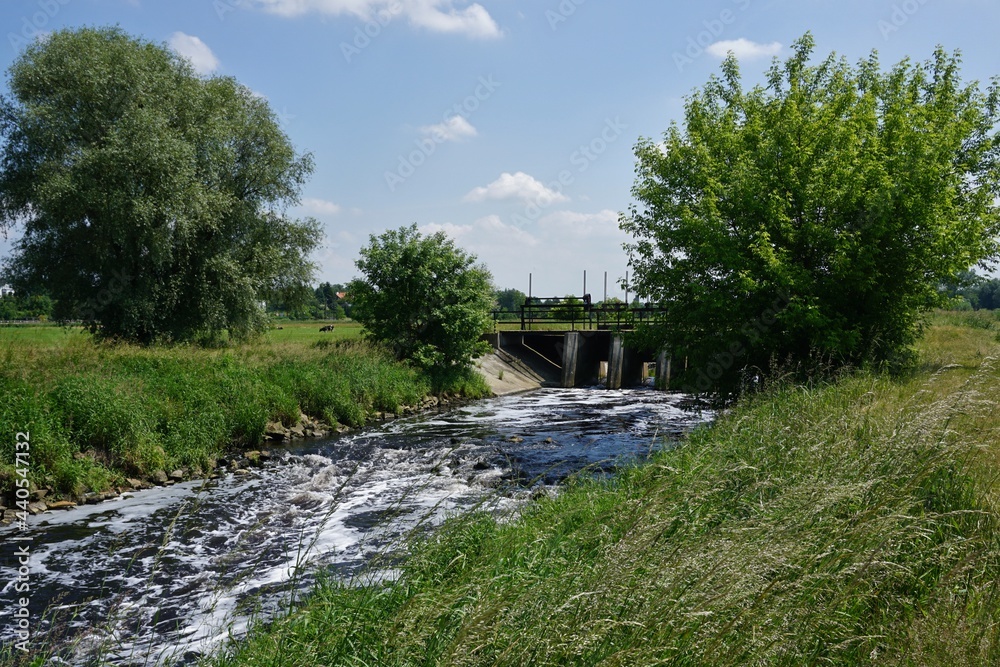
{"points": [[171, 573]]}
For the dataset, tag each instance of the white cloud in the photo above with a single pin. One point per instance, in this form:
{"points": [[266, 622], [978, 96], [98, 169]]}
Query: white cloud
{"points": [[440, 16], [580, 225], [434, 15], [517, 186], [484, 234], [451, 230], [744, 49], [194, 50], [493, 225], [313, 206], [455, 128], [559, 243]]}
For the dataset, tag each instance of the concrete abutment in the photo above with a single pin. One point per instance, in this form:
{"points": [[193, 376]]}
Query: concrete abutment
{"points": [[575, 358]]}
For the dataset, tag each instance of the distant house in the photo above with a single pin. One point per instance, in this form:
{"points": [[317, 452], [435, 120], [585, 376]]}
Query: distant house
{"points": [[341, 295], [6, 290]]}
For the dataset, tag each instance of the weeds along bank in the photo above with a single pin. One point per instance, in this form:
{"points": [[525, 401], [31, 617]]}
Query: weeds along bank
{"points": [[850, 524], [100, 414]]}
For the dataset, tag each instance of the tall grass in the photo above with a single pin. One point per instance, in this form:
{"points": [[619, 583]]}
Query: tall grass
{"points": [[847, 524], [100, 413]]}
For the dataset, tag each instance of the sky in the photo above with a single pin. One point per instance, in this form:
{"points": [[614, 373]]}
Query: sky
{"points": [[507, 124]]}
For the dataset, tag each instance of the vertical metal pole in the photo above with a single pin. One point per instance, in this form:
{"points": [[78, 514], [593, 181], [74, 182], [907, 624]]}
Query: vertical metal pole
{"points": [[529, 284], [626, 289], [604, 303]]}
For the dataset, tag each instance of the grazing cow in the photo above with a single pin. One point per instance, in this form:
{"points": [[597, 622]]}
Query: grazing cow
{"points": [[328, 327]]}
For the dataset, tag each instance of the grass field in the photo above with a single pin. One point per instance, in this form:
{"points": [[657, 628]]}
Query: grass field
{"points": [[54, 336], [99, 413], [309, 332], [852, 523]]}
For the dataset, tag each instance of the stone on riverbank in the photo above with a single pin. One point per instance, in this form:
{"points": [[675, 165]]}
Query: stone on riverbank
{"points": [[60, 505]]}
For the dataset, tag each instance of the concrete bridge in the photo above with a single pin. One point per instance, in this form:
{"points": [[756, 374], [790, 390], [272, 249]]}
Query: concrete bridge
{"points": [[582, 358]]}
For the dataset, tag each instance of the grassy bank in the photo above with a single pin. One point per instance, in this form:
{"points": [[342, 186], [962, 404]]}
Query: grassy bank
{"points": [[850, 524], [100, 413]]}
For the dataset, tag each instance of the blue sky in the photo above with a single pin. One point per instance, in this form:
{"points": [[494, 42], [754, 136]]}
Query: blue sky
{"points": [[509, 124]]}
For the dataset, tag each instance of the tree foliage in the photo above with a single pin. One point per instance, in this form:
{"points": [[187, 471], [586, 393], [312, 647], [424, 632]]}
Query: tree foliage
{"points": [[424, 297], [21, 307], [151, 199], [510, 299], [813, 218], [570, 309], [968, 291], [331, 305]]}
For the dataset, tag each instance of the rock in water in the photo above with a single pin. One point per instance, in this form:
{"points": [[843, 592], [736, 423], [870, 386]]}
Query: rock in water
{"points": [[37, 507]]}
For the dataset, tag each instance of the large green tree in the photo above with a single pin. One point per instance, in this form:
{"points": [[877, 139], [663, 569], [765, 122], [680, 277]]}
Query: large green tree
{"points": [[510, 300], [813, 218], [424, 297], [152, 200]]}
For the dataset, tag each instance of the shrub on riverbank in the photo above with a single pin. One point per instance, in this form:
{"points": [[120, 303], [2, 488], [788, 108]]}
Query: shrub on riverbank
{"points": [[853, 523], [99, 413]]}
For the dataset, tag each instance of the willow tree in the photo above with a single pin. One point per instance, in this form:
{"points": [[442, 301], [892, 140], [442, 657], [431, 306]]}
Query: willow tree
{"points": [[150, 201], [812, 219]]}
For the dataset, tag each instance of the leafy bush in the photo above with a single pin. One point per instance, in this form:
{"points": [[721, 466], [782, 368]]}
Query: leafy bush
{"points": [[424, 298]]}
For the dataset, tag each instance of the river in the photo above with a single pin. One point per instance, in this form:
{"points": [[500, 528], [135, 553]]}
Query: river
{"points": [[170, 573]]}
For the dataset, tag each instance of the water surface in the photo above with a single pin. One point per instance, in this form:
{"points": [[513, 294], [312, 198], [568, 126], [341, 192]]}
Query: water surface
{"points": [[169, 573]]}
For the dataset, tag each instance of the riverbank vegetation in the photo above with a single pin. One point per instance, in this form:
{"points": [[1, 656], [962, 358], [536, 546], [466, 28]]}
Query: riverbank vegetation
{"points": [[852, 522], [424, 298], [99, 413]]}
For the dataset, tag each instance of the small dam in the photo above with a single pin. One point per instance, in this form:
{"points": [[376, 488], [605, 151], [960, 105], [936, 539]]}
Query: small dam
{"points": [[582, 358]]}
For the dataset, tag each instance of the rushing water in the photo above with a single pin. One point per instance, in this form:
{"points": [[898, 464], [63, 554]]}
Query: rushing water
{"points": [[169, 573]]}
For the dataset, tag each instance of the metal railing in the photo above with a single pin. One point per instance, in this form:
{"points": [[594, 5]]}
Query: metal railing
{"points": [[544, 312]]}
